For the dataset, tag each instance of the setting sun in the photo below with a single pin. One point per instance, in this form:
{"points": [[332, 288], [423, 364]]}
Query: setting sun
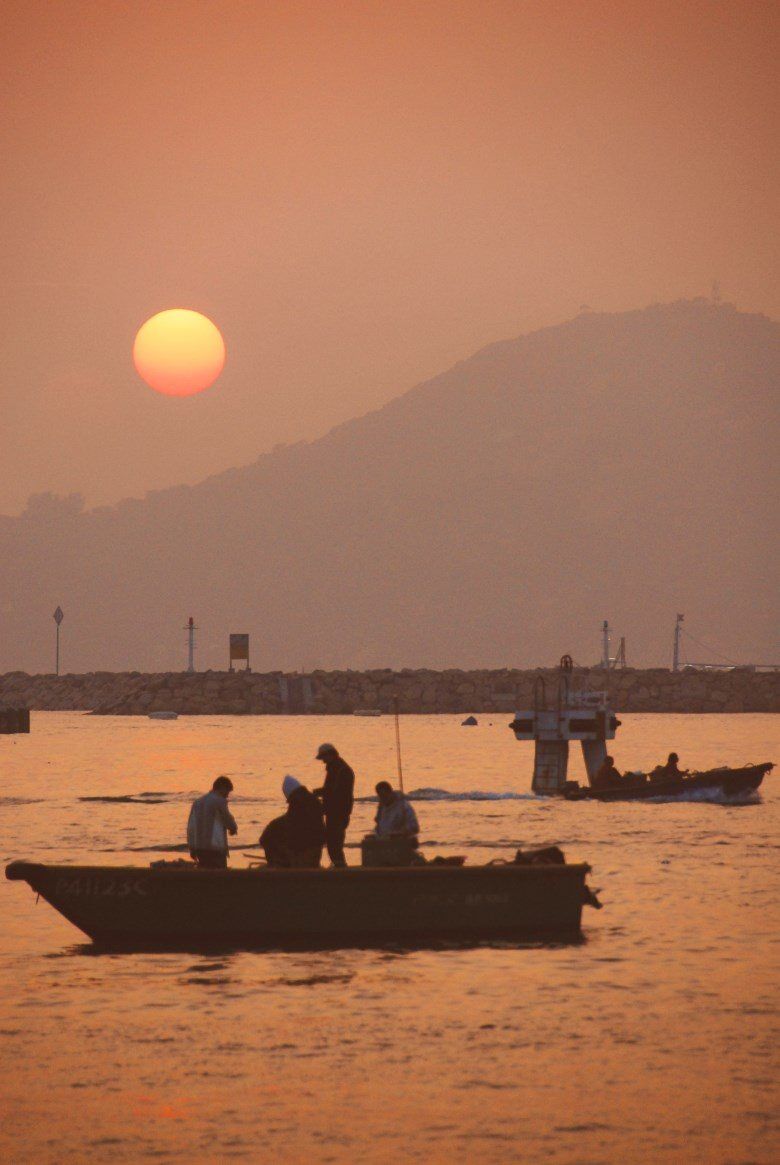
{"points": [[179, 352]]}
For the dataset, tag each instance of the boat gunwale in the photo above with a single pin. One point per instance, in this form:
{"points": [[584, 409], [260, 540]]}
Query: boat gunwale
{"points": [[16, 871]]}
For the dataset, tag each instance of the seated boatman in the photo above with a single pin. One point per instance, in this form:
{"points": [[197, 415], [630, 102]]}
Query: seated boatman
{"points": [[607, 774], [672, 767], [295, 840], [395, 817], [210, 822]]}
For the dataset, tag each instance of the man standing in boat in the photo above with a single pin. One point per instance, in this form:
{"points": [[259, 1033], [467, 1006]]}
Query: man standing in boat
{"points": [[338, 795], [209, 824]]}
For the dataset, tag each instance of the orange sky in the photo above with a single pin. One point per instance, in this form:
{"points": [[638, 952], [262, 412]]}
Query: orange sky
{"points": [[358, 194]]}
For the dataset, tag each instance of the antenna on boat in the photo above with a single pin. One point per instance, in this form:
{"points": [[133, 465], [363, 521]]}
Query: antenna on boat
{"points": [[398, 745]]}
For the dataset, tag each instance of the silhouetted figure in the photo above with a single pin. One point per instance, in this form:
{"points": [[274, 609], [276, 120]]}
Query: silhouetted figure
{"points": [[669, 770], [338, 795], [395, 817], [295, 840], [209, 823], [607, 774]]}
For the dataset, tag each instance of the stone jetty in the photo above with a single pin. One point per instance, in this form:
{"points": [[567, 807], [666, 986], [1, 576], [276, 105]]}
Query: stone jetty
{"points": [[417, 691]]}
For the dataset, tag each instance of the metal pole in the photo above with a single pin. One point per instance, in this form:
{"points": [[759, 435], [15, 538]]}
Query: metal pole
{"points": [[398, 746], [191, 645], [677, 634], [605, 645], [58, 616]]}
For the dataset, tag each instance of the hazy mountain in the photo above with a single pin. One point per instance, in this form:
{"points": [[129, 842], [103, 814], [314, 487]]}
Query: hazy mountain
{"points": [[616, 466]]}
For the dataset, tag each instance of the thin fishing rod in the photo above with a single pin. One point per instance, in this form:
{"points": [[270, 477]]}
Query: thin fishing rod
{"points": [[398, 746]]}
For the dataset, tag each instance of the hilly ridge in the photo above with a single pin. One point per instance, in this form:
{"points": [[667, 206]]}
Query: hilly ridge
{"points": [[618, 466]]}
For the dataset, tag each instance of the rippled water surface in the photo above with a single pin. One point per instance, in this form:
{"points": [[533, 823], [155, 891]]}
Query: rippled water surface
{"points": [[653, 1040]]}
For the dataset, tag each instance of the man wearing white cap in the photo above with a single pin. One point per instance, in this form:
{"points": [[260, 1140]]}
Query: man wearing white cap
{"points": [[295, 840], [338, 795]]}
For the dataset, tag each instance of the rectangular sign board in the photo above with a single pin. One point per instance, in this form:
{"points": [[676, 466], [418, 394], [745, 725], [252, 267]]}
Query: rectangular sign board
{"points": [[239, 647]]}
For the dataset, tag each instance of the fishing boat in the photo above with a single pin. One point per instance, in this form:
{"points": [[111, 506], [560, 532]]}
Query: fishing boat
{"points": [[176, 905], [587, 717], [725, 782]]}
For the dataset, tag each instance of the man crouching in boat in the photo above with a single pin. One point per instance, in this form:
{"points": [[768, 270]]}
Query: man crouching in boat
{"points": [[209, 824], [295, 840]]}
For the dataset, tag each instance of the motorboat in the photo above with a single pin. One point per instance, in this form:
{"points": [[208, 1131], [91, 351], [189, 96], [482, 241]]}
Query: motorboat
{"points": [[587, 717], [726, 782]]}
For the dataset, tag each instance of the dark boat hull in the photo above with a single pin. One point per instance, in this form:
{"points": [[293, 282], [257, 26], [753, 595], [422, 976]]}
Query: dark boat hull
{"points": [[724, 782], [179, 907]]}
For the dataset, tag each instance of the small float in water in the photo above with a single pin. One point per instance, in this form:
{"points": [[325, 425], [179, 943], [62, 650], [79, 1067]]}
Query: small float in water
{"points": [[588, 718], [176, 905], [163, 715]]}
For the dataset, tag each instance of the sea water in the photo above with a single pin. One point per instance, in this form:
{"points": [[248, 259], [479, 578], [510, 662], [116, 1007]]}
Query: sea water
{"points": [[654, 1039]]}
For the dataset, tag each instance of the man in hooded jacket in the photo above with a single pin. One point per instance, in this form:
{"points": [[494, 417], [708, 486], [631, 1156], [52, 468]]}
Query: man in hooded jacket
{"points": [[295, 840]]}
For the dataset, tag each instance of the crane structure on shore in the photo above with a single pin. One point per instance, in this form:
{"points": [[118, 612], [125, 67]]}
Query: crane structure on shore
{"points": [[618, 660]]}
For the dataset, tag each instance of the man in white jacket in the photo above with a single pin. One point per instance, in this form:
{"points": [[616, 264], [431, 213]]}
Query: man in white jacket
{"points": [[209, 824], [395, 817]]}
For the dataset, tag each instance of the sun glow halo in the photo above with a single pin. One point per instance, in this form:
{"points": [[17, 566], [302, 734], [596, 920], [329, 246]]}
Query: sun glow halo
{"points": [[179, 352]]}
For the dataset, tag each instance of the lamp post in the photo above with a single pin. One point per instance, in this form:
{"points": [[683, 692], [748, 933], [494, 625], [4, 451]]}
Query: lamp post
{"points": [[58, 616]]}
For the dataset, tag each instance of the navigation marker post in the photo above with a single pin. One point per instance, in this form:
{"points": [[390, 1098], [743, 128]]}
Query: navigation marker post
{"points": [[58, 616], [676, 649], [190, 629]]}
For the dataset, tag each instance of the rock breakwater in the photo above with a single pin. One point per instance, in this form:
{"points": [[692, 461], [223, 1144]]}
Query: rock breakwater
{"points": [[420, 691]]}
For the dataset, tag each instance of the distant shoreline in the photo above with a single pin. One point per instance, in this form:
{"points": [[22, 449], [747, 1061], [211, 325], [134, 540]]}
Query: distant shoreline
{"points": [[417, 691]]}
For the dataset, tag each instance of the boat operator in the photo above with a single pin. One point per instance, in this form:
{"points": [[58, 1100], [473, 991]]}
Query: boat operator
{"points": [[607, 774], [295, 840], [395, 816], [670, 769], [338, 795], [209, 823]]}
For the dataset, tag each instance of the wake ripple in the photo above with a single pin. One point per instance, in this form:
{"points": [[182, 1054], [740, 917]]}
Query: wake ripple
{"points": [[432, 794], [423, 794]]}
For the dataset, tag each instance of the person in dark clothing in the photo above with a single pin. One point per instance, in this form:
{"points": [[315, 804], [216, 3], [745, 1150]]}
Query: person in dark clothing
{"points": [[338, 795], [670, 769], [607, 774], [295, 840]]}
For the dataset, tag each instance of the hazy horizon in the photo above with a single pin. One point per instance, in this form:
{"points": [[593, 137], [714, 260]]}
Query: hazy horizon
{"points": [[617, 466], [359, 197]]}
